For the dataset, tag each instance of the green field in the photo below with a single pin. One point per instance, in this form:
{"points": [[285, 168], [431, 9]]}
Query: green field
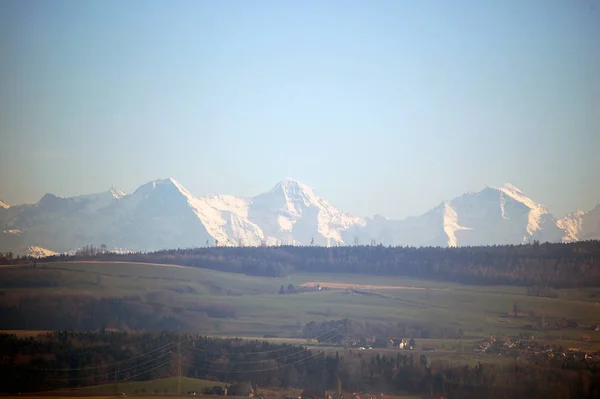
{"points": [[169, 386], [260, 310], [161, 386]]}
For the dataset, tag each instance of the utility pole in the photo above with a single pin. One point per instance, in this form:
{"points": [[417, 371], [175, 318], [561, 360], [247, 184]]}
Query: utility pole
{"points": [[179, 363]]}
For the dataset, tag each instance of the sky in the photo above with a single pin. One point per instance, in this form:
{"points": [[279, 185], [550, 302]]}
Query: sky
{"points": [[383, 107]]}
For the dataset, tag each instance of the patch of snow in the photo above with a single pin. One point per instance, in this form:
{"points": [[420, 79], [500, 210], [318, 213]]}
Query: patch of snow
{"points": [[224, 217], [12, 231], [581, 225], [116, 193], [451, 225], [502, 203], [119, 251], [285, 224], [571, 225], [39, 252], [228, 203], [518, 195]]}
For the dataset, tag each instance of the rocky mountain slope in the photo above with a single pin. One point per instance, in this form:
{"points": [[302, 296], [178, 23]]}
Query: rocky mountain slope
{"points": [[581, 225], [164, 214]]}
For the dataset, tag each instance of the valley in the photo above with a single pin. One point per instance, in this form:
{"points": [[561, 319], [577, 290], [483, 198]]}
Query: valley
{"points": [[220, 303], [102, 323]]}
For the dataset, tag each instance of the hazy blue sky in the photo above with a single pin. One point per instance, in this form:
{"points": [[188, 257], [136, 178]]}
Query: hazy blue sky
{"points": [[382, 106]]}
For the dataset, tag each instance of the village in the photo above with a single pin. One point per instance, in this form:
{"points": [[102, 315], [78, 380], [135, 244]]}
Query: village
{"points": [[391, 343], [529, 348]]}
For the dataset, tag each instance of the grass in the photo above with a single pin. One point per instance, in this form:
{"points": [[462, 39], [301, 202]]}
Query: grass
{"points": [[118, 278], [161, 386], [477, 310], [167, 386]]}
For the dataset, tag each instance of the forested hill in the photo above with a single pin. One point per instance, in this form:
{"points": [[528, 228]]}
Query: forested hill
{"points": [[547, 265]]}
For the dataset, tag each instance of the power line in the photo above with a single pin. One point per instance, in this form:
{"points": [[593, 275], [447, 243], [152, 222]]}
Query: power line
{"points": [[262, 370], [332, 333], [277, 358], [147, 371], [180, 363], [109, 373], [123, 379], [267, 351], [249, 353], [233, 364], [109, 364]]}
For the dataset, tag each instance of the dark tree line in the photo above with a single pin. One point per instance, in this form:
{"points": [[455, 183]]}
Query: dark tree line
{"points": [[544, 265], [49, 312], [70, 359]]}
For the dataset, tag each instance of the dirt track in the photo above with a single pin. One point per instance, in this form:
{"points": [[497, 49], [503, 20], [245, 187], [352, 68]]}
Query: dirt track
{"points": [[359, 286]]}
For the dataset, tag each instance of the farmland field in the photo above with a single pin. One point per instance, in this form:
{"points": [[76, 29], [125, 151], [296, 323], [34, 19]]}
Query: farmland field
{"points": [[260, 310], [160, 386]]}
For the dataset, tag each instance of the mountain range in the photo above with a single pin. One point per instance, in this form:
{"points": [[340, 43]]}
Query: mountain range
{"points": [[164, 214]]}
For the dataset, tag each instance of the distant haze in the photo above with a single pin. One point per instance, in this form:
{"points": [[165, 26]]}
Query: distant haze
{"points": [[382, 107]]}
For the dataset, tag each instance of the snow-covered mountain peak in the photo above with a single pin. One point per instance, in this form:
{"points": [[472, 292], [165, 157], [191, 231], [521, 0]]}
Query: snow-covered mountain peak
{"points": [[159, 184], [571, 224], [517, 195], [39, 252], [181, 188], [293, 193], [581, 225], [165, 214], [292, 185], [507, 187]]}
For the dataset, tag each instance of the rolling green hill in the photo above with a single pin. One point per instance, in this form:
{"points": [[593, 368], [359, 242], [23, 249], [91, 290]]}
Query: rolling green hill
{"points": [[222, 303]]}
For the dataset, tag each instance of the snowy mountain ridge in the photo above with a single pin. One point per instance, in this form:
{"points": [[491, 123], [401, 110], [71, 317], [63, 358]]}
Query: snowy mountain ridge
{"points": [[165, 214], [581, 225]]}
